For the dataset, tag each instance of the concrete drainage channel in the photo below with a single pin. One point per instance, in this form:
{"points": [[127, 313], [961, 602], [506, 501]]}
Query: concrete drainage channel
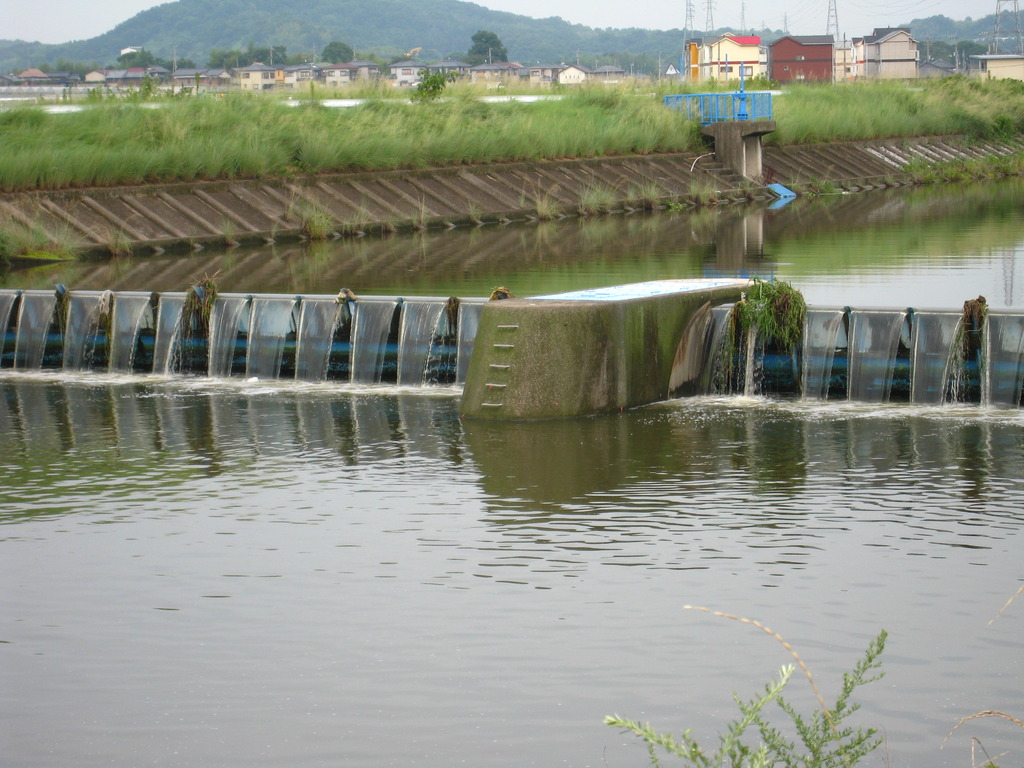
{"points": [[166, 216]]}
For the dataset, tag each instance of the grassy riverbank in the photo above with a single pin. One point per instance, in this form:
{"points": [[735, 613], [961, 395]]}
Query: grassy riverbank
{"points": [[240, 136], [252, 137]]}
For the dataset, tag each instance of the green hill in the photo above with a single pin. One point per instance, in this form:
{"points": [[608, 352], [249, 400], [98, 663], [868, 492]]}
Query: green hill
{"points": [[383, 27]]}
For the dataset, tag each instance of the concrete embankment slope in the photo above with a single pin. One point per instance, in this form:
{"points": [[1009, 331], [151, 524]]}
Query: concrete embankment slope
{"points": [[163, 216]]}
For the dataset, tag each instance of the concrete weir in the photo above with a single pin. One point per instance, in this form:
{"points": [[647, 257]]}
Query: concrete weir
{"points": [[589, 352]]}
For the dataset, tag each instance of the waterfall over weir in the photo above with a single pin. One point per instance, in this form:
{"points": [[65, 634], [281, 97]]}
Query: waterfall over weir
{"points": [[873, 355], [415, 342]]}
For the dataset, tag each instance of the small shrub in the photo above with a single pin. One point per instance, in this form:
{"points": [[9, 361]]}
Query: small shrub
{"points": [[432, 85], [822, 739]]}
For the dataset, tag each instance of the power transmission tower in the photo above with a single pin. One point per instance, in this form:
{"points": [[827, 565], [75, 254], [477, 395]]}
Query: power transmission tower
{"points": [[690, 20], [832, 27], [993, 46], [709, 22]]}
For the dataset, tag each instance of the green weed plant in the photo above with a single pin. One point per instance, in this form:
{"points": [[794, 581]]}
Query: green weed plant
{"points": [[823, 739]]}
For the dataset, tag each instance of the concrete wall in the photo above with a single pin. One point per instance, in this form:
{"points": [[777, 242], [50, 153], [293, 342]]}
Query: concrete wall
{"points": [[573, 355]]}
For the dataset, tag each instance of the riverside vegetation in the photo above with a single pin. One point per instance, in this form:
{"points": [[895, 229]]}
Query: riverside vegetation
{"points": [[822, 740], [114, 142], [249, 136]]}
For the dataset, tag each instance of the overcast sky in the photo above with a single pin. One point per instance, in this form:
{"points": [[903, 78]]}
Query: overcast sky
{"points": [[60, 21]]}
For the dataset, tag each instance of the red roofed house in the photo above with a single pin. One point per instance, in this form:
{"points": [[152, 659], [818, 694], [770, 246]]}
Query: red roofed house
{"points": [[721, 60]]}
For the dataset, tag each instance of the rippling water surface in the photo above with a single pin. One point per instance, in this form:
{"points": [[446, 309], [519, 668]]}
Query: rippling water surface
{"points": [[230, 573], [241, 574]]}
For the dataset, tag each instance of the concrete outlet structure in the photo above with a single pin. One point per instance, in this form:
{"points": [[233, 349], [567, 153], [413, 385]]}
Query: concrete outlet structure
{"points": [[592, 351], [738, 145]]}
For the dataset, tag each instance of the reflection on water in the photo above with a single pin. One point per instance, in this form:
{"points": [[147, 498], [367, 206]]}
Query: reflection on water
{"points": [[231, 573]]}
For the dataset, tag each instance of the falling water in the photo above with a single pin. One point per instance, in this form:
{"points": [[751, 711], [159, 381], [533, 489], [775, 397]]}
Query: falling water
{"points": [[371, 327], [469, 322], [82, 328], [6, 303], [931, 347], [168, 332], [34, 319], [419, 327], [821, 332], [751, 367], [874, 337], [314, 337], [224, 318], [129, 310], [715, 375], [1004, 361], [269, 325]]}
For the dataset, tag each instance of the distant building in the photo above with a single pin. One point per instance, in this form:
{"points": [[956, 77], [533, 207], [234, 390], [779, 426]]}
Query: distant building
{"points": [[888, 54], [448, 66], [406, 73], [935, 68], [731, 57], [793, 58], [572, 74], [255, 77], [608, 73], [690, 60], [996, 66], [497, 72]]}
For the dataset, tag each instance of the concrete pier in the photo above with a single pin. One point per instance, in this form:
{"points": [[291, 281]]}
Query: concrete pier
{"points": [[738, 145], [588, 352]]}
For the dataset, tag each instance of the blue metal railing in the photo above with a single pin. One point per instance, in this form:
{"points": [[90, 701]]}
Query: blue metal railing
{"points": [[707, 108]]}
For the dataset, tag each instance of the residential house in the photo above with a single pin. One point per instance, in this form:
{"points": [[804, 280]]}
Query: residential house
{"points": [[125, 78], [689, 62], [364, 69], [996, 65], [255, 77], [808, 57], [843, 62], [7, 80], [338, 75], [731, 56], [298, 76], [33, 76], [572, 74], [500, 71], [887, 54], [406, 73], [460, 68], [608, 73], [542, 74], [935, 68], [188, 77]]}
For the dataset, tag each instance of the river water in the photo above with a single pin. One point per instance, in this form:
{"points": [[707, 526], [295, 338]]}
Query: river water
{"points": [[229, 573]]}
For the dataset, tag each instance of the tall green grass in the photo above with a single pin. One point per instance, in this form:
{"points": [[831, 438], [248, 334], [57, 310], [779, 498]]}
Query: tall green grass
{"points": [[252, 136], [876, 110]]}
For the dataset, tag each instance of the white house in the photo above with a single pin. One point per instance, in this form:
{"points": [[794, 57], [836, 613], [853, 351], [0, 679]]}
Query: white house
{"points": [[887, 54]]}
